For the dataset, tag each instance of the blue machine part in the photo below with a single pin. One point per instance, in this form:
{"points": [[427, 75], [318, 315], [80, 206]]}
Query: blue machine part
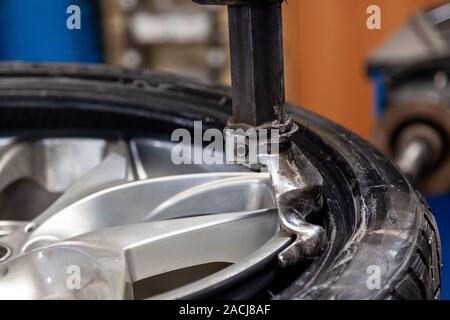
{"points": [[380, 92], [36, 30], [441, 210]]}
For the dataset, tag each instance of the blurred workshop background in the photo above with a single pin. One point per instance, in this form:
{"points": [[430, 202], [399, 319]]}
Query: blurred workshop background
{"points": [[399, 98], [327, 43]]}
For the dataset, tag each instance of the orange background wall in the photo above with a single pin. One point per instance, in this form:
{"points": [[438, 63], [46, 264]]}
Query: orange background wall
{"points": [[326, 44]]}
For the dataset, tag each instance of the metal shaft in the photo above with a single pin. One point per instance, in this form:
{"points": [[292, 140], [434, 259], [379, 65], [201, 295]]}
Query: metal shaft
{"points": [[257, 68], [418, 148], [414, 158], [256, 62]]}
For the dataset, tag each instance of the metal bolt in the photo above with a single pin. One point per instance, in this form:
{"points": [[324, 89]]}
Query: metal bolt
{"points": [[241, 150], [5, 252], [30, 227]]}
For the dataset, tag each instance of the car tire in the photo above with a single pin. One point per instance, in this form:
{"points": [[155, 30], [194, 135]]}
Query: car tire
{"points": [[383, 241]]}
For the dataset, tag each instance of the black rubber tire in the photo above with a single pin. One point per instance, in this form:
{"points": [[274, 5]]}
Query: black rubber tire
{"points": [[373, 216]]}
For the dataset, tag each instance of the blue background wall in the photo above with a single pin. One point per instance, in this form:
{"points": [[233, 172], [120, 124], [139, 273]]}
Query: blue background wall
{"points": [[36, 30]]}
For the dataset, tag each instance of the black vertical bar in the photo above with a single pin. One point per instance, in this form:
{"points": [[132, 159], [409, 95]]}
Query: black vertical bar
{"points": [[257, 69]]}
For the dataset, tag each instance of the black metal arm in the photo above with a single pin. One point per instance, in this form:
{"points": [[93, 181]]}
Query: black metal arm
{"points": [[257, 70]]}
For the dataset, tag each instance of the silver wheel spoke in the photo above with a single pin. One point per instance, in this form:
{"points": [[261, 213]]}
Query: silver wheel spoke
{"points": [[126, 254], [121, 230], [53, 163], [14, 164], [162, 246], [136, 202], [153, 159], [96, 173]]}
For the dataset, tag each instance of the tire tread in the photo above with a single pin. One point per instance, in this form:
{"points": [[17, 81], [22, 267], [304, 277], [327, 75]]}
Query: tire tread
{"points": [[422, 279]]}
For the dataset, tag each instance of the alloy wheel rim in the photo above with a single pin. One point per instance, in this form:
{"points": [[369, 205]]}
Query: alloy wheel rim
{"points": [[177, 218]]}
